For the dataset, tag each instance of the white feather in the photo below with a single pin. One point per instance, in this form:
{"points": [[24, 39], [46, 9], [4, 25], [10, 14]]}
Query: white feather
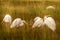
{"points": [[7, 18], [49, 21], [17, 22], [37, 22]]}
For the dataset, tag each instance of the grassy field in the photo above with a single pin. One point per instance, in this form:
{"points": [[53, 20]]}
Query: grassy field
{"points": [[28, 10]]}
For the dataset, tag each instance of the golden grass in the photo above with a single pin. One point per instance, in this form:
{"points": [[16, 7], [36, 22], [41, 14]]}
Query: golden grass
{"points": [[28, 12]]}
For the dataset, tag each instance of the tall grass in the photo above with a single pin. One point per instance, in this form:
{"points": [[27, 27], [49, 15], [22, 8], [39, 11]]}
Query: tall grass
{"points": [[28, 11]]}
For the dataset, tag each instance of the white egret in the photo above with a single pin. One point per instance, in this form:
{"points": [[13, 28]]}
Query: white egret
{"points": [[49, 21], [17, 22], [37, 22], [50, 7], [7, 19]]}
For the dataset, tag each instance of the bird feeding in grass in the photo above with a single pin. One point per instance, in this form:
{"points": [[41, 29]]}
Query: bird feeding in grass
{"points": [[7, 19], [37, 22], [17, 22], [50, 7], [48, 21]]}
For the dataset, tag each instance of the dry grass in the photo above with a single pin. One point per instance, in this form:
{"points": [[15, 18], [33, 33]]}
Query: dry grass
{"points": [[28, 11]]}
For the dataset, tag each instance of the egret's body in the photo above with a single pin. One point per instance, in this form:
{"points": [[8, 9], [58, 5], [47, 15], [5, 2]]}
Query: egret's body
{"points": [[7, 19], [17, 22], [49, 21], [37, 22]]}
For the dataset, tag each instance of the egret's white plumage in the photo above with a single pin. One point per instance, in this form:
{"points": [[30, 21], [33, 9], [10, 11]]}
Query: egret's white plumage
{"points": [[7, 18], [37, 22], [50, 7], [49, 21], [17, 22], [22, 22]]}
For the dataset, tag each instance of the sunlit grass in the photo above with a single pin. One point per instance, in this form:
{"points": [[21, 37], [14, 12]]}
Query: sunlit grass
{"points": [[28, 11]]}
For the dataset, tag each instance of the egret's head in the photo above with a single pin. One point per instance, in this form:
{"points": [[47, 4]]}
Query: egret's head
{"points": [[45, 17], [36, 18], [23, 22]]}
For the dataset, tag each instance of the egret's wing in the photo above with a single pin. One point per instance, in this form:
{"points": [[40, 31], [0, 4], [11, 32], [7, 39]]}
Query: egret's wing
{"points": [[16, 23], [37, 23], [50, 23]]}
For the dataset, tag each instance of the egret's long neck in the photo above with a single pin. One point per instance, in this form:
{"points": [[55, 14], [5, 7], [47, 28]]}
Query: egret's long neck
{"points": [[45, 17], [44, 20]]}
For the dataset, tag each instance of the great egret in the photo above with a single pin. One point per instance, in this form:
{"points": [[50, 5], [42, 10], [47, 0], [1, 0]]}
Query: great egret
{"points": [[50, 7], [37, 22], [7, 19], [17, 22], [50, 22]]}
